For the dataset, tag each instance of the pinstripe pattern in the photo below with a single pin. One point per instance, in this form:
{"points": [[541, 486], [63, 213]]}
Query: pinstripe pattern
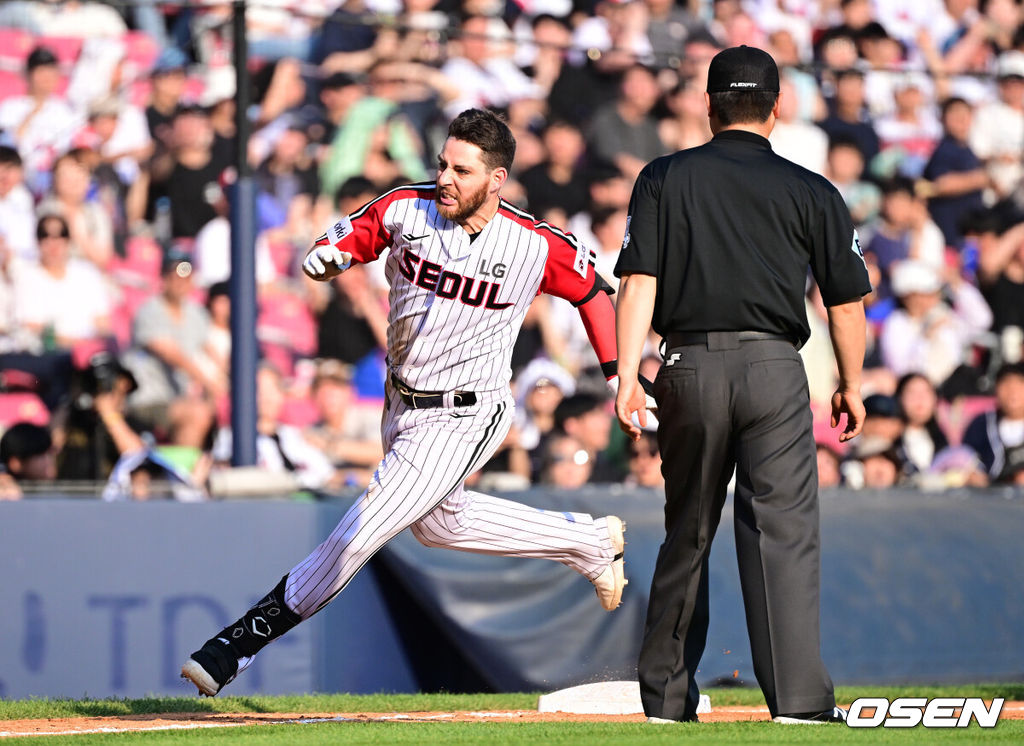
{"points": [[409, 490], [456, 307]]}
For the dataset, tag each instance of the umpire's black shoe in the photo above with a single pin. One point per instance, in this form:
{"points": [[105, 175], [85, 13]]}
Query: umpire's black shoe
{"points": [[835, 715], [213, 666]]}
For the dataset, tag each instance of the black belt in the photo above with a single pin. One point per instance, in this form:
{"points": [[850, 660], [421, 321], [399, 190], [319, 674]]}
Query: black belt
{"points": [[720, 340], [430, 399]]}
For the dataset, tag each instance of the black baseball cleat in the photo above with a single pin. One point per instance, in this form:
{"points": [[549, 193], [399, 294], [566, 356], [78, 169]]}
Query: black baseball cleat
{"points": [[835, 715], [213, 666]]}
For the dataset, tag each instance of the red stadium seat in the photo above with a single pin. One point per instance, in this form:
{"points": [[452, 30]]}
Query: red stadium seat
{"points": [[140, 52], [22, 407], [299, 411], [67, 48], [286, 320], [140, 267], [954, 417], [15, 46], [11, 84]]}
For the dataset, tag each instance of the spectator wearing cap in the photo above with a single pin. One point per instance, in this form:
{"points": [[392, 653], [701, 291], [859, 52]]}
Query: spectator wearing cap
{"points": [[848, 115], [168, 85], [120, 135], [92, 230], [922, 437], [925, 334], [346, 431], [27, 454], [168, 335], [997, 437], [954, 176], [17, 209], [189, 175], [540, 388], [882, 418], [40, 123], [623, 131], [997, 132], [61, 300]]}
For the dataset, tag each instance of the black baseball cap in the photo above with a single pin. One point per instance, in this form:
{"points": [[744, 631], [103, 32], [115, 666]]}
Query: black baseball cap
{"points": [[743, 69]]}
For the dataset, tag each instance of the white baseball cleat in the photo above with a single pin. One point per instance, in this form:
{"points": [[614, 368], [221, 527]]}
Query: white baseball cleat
{"points": [[612, 580]]}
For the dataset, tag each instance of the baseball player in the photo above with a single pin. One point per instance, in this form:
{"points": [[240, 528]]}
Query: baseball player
{"points": [[463, 267]]}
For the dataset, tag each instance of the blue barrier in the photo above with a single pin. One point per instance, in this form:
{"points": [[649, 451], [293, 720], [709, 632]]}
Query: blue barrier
{"points": [[108, 599]]}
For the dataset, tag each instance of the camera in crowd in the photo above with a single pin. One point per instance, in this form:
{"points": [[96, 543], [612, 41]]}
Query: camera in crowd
{"points": [[102, 375]]}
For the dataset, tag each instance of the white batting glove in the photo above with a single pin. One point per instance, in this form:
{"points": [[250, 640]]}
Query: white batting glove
{"points": [[325, 262]]}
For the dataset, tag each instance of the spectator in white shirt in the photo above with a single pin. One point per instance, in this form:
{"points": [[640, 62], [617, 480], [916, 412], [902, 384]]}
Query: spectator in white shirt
{"points": [[926, 335], [997, 133], [487, 77], [40, 123], [17, 213], [61, 300]]}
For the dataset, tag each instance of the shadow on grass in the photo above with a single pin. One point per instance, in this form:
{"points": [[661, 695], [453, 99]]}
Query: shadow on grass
{"points": [[145, 706]]}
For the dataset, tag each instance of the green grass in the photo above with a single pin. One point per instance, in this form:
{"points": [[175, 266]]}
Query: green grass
{"points": [[493, 733]]}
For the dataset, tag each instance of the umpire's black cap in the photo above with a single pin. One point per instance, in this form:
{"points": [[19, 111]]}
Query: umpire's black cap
{"points": [[743, 69]]}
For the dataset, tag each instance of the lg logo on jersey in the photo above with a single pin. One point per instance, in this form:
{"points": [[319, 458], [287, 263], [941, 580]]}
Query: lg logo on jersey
{"points": [[452, 285]]}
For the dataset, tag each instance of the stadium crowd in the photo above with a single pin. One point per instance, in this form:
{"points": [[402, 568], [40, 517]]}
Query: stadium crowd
{"points": [[117, 140]]}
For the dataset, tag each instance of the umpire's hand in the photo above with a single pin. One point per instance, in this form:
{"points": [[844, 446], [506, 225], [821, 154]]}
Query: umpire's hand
{"points": [[631, 407], [850, 404]]}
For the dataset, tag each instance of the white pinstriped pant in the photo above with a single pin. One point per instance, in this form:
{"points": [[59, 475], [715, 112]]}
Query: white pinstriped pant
{"points": [[419, 484]]}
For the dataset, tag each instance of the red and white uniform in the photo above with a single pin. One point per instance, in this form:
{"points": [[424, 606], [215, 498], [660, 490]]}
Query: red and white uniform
{"points": [[456, 309], [457, 305]]}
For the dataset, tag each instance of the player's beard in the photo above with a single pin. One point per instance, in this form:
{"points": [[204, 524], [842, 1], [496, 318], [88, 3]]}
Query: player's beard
{"points": [[462, 208]]}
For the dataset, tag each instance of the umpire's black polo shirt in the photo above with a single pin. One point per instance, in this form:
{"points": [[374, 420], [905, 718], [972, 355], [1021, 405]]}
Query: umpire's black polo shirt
{"points": [[729, 229]]}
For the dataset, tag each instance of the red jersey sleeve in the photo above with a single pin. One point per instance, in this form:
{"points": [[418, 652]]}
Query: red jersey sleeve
{"points": [[363, 233], [569, 271]]}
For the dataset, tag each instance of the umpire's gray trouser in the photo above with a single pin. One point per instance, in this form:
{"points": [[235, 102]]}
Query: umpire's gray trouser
{"points": [[744, 406]]}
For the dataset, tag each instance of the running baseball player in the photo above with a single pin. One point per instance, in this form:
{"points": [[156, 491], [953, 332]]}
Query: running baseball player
{"points": [[463, 267]]}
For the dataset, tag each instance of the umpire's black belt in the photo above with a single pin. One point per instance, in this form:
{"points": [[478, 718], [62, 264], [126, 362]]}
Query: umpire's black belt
{"points": [[720, 340], [430, 399]]}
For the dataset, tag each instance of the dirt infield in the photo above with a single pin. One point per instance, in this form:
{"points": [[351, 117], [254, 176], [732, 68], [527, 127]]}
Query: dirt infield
{"points": [[187, 720]]}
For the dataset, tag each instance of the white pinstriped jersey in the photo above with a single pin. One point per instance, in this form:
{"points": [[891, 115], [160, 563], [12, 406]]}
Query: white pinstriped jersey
{"points": [[456, 305]]}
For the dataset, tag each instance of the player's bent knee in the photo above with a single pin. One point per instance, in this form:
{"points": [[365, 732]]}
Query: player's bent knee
{"points": [[423, 536]]}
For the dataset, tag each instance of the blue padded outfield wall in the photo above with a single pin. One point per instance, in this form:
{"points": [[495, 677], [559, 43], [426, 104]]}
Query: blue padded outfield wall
{"points": [[108, 599]]}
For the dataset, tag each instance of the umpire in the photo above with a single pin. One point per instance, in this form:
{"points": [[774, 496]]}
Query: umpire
{"points": [[718, 243]]}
